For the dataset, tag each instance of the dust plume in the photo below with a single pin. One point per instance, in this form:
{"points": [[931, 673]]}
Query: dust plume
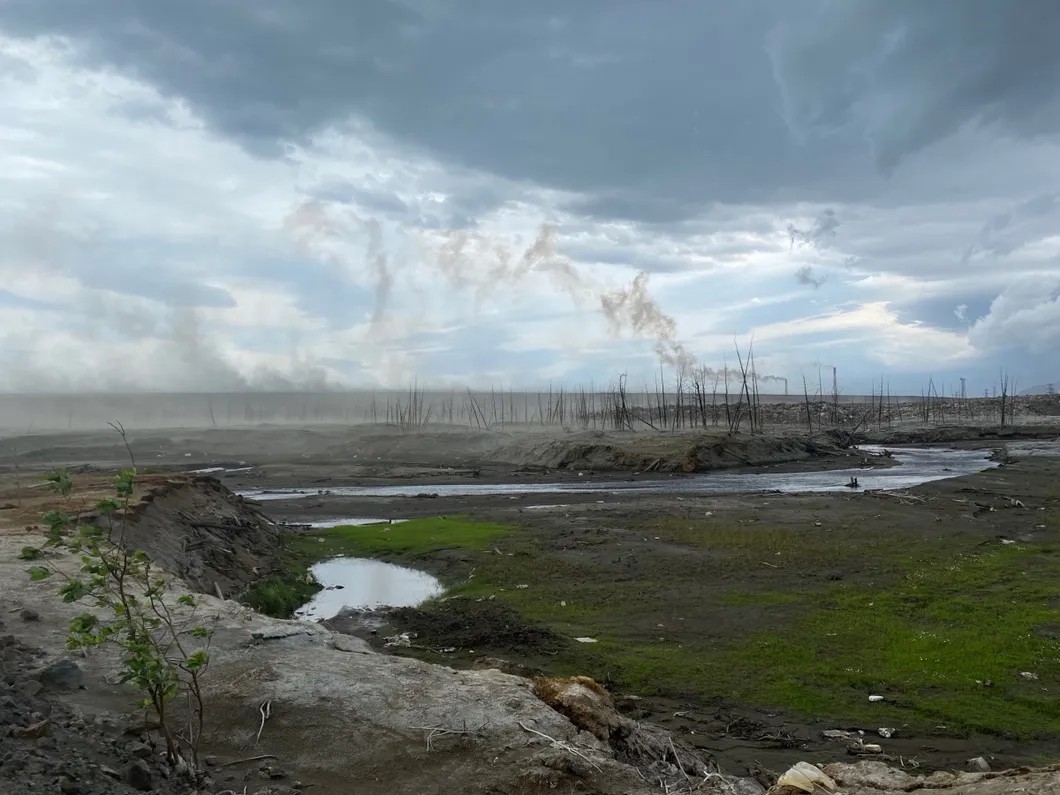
{"points": [[808, 276], [325, 236], [476, 261], [819, 236], [634, 309]]}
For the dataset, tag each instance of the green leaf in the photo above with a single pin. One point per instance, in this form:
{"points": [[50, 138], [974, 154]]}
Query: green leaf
{"points": [[187, 600], [196, 661], [55, 520], [201, 632], [74, 591], [125, 482], [30, 553], [60, 481], [86, 622], [108, 506], [39, 573]]}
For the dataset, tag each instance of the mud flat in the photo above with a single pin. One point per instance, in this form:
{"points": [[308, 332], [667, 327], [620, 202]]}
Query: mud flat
{"points": [[745, 625]]}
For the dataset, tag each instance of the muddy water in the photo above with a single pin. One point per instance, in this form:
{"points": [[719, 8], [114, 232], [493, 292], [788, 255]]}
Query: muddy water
{"points": [[915, 466], [366, 584]]}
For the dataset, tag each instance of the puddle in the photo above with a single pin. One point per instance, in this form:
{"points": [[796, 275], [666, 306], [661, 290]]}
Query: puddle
{"points": [[366, 584], [348, 521], [915, 466]]}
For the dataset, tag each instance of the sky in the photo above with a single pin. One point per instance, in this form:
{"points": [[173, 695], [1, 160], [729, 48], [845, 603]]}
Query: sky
{"points": [[224, 195]]}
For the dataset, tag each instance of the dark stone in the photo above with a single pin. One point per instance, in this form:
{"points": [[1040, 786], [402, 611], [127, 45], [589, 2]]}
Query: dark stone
{"points": [[29, 615], [138, 776], [139, 750], [63, 675], [68, 786]]}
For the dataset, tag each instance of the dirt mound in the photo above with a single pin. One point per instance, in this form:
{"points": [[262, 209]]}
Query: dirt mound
{"points": [[199, 530], [680, 452], [671, 764], [466, 623]]}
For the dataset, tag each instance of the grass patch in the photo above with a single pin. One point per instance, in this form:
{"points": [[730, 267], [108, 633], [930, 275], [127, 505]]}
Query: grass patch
{"points": [[414, 537], [923, 644], [280, 595]]}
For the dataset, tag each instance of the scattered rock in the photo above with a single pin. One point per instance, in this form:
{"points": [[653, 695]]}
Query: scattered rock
{"points": [[33, 731], [350, 644], [28, 614], [63, 675], [138, 776], [978, 765], [139, 750], [67, 786]]}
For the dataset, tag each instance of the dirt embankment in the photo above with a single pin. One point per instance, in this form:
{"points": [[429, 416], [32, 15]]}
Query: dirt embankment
{"points": [[206, 535], [191, 526], [684, 452], [952, 434]]}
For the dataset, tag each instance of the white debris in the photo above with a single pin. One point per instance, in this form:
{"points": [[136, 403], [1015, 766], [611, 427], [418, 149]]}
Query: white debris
{"points": [[886, 733], [1029, 675], [808, 778], [586, 640], [875, 699]]}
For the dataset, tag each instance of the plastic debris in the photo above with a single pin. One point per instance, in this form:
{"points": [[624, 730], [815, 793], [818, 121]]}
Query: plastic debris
{"points": [[586, 640], [402, 640], [875, 699], [1029, 675], [808, 778]]}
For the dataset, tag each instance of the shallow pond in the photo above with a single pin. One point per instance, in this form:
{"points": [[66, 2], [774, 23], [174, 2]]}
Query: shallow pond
{"points": [[366, 584]]}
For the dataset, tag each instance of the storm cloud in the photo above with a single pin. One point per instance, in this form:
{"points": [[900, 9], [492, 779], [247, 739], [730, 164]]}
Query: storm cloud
{"points": [[501, 183]]}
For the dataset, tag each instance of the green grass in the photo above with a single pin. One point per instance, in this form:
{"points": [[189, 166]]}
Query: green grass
{"points": [[280, 595], [414, 537], [922, 643]]}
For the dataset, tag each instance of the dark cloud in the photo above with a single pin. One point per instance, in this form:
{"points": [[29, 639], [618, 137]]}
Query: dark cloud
{"points": [[909, 73], [1005, 232], [674, 103]]}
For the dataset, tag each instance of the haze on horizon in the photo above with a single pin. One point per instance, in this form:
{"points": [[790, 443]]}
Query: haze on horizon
{"points": [[220, 196]]}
